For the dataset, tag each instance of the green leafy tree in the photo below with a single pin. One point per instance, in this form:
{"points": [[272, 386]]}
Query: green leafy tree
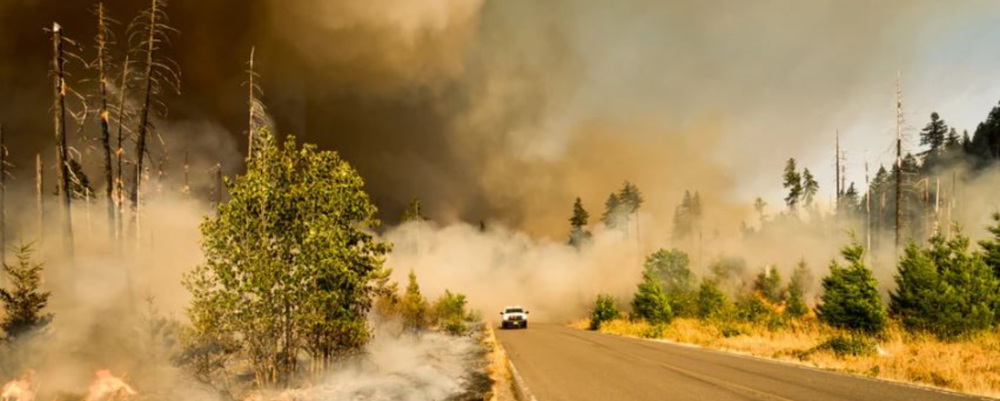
{"points": [[712, 302], [578, 234], [670, 269], [605, 309], [23, 300], [413, 306], [290, 261], [768, 284], [850, 297], [650, 302], [792, 183], [414, 211]]}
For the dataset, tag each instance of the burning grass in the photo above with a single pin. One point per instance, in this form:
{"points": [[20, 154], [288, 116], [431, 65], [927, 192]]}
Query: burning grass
{"points": [[970, 366]]}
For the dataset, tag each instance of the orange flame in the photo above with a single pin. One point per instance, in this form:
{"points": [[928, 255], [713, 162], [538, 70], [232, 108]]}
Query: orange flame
{"points": [[17, 390], [108, 387]]}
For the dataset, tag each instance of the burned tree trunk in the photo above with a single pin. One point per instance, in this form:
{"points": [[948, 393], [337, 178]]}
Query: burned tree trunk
{"points": [[39, 188], [120, 152], [3, 194], [102, 42], [147, 93], [59, 119]]}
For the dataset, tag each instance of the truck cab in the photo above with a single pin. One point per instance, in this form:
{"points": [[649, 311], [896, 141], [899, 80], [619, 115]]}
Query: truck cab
{"points": [[513, 317]]}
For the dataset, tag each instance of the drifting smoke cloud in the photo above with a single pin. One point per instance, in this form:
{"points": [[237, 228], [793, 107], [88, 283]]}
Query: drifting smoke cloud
{"points": [[454, 101]]}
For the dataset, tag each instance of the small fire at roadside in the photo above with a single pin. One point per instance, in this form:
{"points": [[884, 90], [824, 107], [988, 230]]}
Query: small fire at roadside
{"points": [[106, 387], [17, 390]]}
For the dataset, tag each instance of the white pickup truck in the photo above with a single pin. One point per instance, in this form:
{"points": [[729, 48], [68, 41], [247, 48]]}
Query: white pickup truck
{"points": [[513, 316]]}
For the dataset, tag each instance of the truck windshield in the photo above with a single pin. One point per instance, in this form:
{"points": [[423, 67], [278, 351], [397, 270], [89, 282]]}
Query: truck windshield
{"points": [[518, 310]]}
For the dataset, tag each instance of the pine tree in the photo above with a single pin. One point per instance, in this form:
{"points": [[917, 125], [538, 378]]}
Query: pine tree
{"points": [[612, 217], [605, 309], [793, 183], [711, 301], [850, 297], [578, 234], [768, 284], [797, 286], [759, 205], [650, 302], [23, 302], [991, 247], [414, 306], [935, 133], [414, 211], [945, 289], [809, 187]]}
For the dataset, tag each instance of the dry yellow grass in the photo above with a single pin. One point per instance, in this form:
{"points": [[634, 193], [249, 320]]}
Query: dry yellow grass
{"points": [[971, 366], [498, 368]]}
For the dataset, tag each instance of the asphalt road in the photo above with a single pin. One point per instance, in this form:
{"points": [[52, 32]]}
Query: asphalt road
{"points": [[561, 363]]}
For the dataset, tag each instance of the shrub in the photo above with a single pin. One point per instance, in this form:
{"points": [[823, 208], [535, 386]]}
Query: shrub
{"points": [[853, 345], [751, 309], [650, 302], [850, 295], [711, 301], [605, 309], [449, 313]]}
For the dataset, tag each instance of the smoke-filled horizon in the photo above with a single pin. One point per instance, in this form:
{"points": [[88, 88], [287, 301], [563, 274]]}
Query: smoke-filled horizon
{"points": [[504, 111]]}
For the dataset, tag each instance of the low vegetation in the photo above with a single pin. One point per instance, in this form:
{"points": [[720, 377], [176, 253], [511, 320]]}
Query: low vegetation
{"points": [[939, 326]]}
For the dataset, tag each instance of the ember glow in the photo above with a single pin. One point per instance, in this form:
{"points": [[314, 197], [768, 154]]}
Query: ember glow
{"points": [[17, 390], [107, 387]]}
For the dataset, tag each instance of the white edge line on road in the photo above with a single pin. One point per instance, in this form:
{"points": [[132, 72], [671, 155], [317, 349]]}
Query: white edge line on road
{"points": [[521, 388]]}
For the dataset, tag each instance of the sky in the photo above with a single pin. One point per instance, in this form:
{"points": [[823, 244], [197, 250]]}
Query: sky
{"points": [[504, 111]]}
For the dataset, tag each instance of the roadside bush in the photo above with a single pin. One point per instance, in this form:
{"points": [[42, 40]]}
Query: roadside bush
{"points": [[749, 308], [850, 295], [853, 345], [711, 301], [449, 313], [650, 302], [604, 310]]}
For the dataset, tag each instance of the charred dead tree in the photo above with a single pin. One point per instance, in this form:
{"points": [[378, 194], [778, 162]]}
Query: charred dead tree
{"points": [[104, 39], [186, 189], [899, 162], [39, 192], [3, 198], [217, 193], [120, 152], [59, 120], [151, 27], [257, 113]]}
